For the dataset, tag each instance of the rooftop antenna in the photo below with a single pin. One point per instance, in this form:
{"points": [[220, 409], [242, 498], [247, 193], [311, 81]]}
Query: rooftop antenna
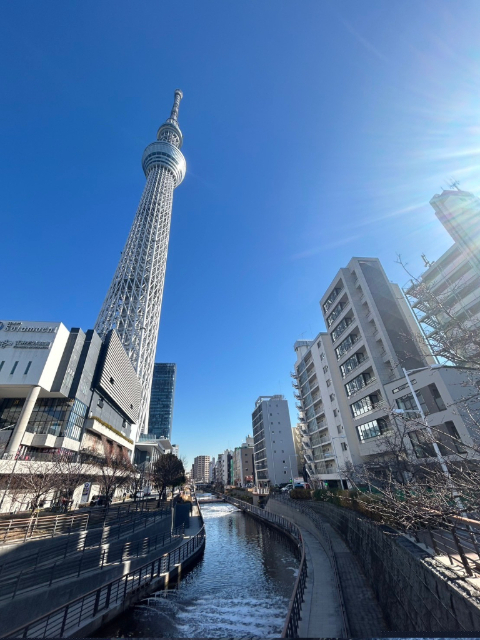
{"points": [[454, 184], [427, 262]]}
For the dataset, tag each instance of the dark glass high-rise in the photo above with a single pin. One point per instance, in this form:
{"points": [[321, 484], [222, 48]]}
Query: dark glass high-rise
{"points": [[161, 400]]}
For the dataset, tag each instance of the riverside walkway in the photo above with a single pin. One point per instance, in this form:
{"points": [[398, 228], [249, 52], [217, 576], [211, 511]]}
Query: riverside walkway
{"points": [[338, 601], [118, 585]]}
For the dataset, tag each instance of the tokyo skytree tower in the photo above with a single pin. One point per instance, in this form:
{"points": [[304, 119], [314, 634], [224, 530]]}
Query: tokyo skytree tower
{"points": [[133, 302]]}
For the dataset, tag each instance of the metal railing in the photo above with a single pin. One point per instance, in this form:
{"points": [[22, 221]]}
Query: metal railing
{"points": [[69, 618], [34, 576], [17, 530], [290, 628], [23, 529]]}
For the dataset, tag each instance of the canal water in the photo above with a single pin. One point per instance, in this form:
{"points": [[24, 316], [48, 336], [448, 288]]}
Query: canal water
{"points": [[241, 588]]}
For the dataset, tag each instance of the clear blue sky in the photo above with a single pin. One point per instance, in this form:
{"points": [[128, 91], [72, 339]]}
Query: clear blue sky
{"points": [[314, 131]]}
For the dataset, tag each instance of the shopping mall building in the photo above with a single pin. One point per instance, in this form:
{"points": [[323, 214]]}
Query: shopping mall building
{"points": [[62, 391]]}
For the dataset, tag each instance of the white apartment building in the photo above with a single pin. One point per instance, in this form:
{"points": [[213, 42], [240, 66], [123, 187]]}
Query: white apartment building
{"points": [[454, 278], [340, 375], [275, 460], [201, 468]]}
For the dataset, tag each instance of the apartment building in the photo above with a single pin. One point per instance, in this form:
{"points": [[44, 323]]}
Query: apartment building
{"points": [[243, 463], [274, 452], [459, 212], [340, 375], [201, 468], [452, 282], [449, 400]]}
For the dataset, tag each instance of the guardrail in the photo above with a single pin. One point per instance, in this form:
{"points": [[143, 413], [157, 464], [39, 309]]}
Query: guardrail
{"points": [[18, 530], [290, 628], [69, 618], [35, 576], [21, 530]]}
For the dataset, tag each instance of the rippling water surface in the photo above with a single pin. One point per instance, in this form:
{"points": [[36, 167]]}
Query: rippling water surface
{"points": [[241, 587]]}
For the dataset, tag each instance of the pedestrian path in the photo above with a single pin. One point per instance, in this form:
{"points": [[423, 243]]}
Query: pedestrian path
{"points": [[357, 610], [321, 615]]}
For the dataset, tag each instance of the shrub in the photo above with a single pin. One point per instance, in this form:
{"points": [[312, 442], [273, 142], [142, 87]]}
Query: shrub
{"points": [[300, 494]]}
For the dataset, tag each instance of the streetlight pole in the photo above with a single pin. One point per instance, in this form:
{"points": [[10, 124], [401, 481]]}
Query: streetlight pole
{"points": [[436, 448]]}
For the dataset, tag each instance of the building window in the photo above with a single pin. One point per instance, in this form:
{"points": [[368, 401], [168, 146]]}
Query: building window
{"points": [[347, 344], [372, 429], [332, 397], [28, 367], [100, 403], [112, 381], [437, 397], [322, 356], [331, 298], [1, 364], [369, 403], [344, 446], [335, 313], [335, 412], [325, 368], [352, 363], [358, 383], [407, 403], [14, 367], [329, 383], [341, 327]]}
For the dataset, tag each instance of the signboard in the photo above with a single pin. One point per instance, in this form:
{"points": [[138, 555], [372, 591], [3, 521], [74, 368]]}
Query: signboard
{"points": [[86, 492]]}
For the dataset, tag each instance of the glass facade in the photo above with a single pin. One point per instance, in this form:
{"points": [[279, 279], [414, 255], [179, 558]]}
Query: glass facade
{"points": [[51, 416], [161, 400]]}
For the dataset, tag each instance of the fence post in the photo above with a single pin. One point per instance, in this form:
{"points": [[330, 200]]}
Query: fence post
{"points": [[51, 574], [80, 565], [97, 600], [55, 526], [16, 584], [461, 552], [64, 621]]}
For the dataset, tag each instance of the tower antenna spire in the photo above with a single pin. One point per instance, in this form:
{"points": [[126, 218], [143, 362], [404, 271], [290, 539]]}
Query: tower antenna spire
{"points": [[176, 105]]}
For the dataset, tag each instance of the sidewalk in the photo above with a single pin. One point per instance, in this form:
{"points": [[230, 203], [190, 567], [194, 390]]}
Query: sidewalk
{"points": [[364, 616], [321, 609]]}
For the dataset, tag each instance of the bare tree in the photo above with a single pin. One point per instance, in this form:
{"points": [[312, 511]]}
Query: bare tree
{"points": [[71, 471], [167, 471], [33, 481], [113, 466]]}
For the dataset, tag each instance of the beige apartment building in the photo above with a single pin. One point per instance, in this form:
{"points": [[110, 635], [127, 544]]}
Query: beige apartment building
{"points": [[340, 376]]}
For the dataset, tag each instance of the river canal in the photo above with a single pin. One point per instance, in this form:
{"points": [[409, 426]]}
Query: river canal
{"points": [[241, 588]]}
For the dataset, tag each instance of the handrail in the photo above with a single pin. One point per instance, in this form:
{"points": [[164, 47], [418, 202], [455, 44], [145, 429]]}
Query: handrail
{"points": [[67, 619], [290, 628], [34, 576], [18, 530]]}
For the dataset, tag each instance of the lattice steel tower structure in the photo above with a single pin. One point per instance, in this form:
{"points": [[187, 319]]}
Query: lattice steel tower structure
{"points": [[133, 302]]}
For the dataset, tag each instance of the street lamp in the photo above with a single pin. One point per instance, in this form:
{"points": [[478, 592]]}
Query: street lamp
{"points": [[427, 428]]}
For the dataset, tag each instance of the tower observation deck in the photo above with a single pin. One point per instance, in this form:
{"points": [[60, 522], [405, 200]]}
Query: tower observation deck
{"points": [[134, 300]]}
